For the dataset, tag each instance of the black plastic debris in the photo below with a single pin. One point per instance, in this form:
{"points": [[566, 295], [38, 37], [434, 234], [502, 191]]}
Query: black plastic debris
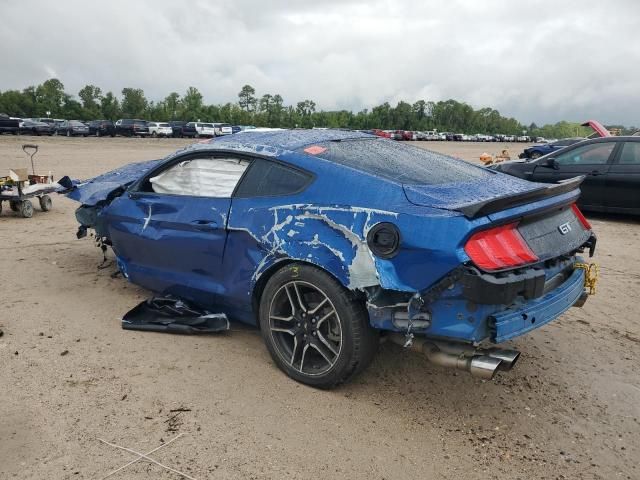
{"points": [[170, 315]]}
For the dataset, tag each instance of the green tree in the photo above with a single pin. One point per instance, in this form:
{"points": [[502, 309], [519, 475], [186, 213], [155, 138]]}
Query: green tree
{"points": [[247, 99], [90, 96], [192, 104], [50, 97], [172, 103], [134, 103], [110, 107]]}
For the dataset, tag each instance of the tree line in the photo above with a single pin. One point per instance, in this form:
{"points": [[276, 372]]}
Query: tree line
{"points": [[267, 110]]}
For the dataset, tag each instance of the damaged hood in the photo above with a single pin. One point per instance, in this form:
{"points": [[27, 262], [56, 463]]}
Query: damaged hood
{"points": [[95, 190], [472, 198]]}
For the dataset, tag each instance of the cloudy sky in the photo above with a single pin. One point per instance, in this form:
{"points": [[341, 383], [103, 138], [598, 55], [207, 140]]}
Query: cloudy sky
{"points": [[539, 61]]}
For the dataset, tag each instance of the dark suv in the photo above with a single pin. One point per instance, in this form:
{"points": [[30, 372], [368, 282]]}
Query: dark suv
{"points": [[190, 130], [101, 128], [129, 127], [176, 128], [8, 124]]}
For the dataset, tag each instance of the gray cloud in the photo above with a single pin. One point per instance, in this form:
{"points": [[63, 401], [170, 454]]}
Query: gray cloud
{"points": [[541, 61]]}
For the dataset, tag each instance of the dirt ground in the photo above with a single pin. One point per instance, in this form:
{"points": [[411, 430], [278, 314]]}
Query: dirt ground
{"points": [[69, 375]]}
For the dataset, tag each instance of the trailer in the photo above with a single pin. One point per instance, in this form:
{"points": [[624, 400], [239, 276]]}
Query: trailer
{"points": [[20, 187]]}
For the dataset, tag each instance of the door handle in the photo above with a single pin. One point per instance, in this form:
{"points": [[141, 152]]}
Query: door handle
{"points": [[205, 225], [595, 173]]}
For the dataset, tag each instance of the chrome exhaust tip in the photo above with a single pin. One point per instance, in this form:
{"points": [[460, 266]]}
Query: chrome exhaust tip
{"points": [[509, 358], [484, 366]]}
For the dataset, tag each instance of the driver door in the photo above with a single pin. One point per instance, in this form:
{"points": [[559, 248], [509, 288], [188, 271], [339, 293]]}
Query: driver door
{"points": [[169, 232], [592, 160]]}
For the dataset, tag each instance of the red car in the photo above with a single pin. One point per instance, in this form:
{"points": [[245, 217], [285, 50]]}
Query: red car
{"points": [[407, 135], [381, 133]]}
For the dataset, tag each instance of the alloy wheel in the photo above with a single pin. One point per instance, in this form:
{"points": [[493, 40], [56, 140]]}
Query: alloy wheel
{"points": [[305, 327]]}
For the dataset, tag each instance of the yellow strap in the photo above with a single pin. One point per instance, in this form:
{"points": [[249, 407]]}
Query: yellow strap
{"points": [[591, 272]]}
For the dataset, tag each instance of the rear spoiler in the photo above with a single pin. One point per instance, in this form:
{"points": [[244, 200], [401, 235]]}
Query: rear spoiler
{"points": [[480, 209]]}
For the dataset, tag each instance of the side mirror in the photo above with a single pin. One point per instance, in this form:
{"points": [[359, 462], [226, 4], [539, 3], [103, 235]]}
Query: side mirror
{"points": [[552, 163]]}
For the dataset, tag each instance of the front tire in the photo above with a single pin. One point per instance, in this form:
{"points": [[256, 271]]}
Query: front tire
{"points": [[316, 331], [26, 209]]}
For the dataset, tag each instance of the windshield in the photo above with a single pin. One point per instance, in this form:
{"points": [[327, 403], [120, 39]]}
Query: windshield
{"points": [[398, 162]]}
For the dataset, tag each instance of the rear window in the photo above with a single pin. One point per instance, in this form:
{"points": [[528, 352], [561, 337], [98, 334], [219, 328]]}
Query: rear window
{"points": [[266, 178], [398, 162], [207, 125], [163, 124]]}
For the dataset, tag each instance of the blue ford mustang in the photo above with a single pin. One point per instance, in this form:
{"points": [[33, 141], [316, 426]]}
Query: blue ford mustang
{"points": [[329, 239]]}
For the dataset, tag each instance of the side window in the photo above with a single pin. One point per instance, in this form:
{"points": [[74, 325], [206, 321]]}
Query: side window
{"points": [[630, 153], [594, 154], [266, 178], [200, 177]]}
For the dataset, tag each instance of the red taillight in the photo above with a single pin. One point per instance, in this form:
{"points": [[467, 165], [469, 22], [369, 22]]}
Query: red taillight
{"points": [[585, 223], [498, 248]]}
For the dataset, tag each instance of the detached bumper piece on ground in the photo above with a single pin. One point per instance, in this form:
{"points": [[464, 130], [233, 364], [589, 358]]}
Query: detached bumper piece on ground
{"points": [[167, 314]]}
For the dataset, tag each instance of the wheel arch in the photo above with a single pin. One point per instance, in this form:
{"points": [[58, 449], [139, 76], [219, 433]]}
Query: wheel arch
{"points": [[276, 266]]}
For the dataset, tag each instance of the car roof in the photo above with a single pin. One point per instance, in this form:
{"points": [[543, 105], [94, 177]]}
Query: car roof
{"points": [[590, 141], [289, 139]]}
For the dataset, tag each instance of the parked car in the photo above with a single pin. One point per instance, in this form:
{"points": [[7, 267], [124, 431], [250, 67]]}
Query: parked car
{"points": [[328, 239], [34, 127], [132, 127], [222, 129], [537, 151], [422, 136], [176, 128], [611, 166], [160, 129], [408, 135], [381, 133], [9, 124], [236, 128], [189, 130], [71, 128], [205, 129], [102, 128]]}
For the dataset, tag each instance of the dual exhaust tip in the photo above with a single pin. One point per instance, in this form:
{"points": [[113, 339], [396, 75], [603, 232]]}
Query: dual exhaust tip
{"points": [[480, 363]]}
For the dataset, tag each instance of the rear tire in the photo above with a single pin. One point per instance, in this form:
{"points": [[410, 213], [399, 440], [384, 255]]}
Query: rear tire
{"points": [[316, 331], [45, 203]]}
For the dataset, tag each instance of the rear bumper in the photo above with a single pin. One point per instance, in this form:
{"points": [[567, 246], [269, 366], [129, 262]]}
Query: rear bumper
{"points": [[535, 313]]}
